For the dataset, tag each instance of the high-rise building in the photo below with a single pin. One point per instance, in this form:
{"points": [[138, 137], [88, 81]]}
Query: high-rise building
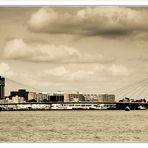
{"points": [[2, 87]]}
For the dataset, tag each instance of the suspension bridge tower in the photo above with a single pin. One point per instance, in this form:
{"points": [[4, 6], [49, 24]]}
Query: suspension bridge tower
{"points": [[2, 87]]}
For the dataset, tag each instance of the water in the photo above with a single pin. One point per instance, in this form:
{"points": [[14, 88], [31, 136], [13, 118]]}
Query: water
{"points": [[74, 126]]}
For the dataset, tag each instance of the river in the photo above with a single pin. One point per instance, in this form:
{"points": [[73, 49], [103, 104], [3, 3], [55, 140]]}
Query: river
{"points": [[74, 126]]}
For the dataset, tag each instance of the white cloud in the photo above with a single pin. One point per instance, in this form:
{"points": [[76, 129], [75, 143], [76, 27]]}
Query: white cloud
{"points": [[86, 73], [81, 75], [89, 21], [118, 70], [68, 74], [5, 70], [58, 71], [18, 49]]}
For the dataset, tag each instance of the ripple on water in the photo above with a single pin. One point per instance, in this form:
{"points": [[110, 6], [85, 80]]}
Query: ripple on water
{"points": [[74, 126]]}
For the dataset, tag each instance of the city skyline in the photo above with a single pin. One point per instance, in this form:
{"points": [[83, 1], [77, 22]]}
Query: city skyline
{"points": [[90, 49]]}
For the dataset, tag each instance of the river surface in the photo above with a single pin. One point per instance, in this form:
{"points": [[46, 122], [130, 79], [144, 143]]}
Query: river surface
{"points": [[74, 126]]}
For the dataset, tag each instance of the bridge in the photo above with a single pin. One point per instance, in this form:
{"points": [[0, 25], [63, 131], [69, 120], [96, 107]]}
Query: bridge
{"points": [[137, 90], [12, 84]]}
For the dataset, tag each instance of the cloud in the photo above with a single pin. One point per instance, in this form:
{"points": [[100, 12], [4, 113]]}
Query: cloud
{"points": [[58, 71], [70, 74], [85, 73], [118, 70], [96, 58], [140, 58], [5, 70], [90, 21], [19, 50], [82, 75]]}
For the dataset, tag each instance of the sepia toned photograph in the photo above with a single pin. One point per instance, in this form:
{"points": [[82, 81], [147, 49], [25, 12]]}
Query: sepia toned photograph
{"points": [[73, 74]]}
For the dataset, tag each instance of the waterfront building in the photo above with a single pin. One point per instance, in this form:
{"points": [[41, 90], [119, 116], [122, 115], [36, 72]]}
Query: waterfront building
{"points": [[32, 96], [79, 97], [66, 97], [21, 93], [106, 98], [18, 99], [2, 87], [44, 97], [41, 97], [73, 97], [91, 97], [56, 97], [37, 97], [60, 96]]}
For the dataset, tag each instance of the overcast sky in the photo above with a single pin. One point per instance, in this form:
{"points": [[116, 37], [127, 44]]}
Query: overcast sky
{"points": [[92, 50]]}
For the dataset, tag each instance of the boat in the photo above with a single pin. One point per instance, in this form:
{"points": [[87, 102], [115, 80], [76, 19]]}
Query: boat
{"points": [[127, 108], [141, 107]]}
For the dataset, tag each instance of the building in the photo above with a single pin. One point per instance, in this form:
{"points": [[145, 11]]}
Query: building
{"points": [[73, 97], [79, 97], [66, 97], [56, 97], [42, 97], [37, 97], [32, 96], [91, 97], [18, 99], [2, 87], [106, 98], [20, 93], [60, 96], [69, 97], [99, 97]]}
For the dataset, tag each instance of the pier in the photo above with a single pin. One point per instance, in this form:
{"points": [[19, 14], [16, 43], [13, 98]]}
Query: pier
{"points": [[47, 105], [131, 105]]}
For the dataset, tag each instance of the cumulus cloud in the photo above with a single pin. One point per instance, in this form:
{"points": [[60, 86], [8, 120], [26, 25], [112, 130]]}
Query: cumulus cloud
{"points": [[90, 21], [63, 74], [18, 49], [5, 70], [87, 73]]}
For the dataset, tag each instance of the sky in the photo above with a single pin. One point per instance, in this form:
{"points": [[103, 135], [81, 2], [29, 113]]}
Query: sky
{"points": [[86, 49]]}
